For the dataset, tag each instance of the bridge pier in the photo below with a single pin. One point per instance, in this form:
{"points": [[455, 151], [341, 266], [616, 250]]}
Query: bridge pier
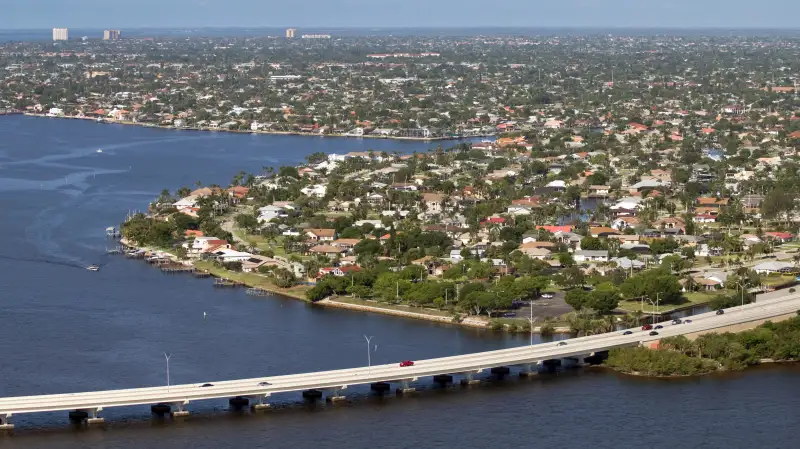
{"points": [[573, 362], [380, 387], [470, 380], [500, 371], [442, 379], [179, 412], [260, 404], [529, 370], [5, 423], [405, 387], [238, 402], [312, 395], [336, 395]]}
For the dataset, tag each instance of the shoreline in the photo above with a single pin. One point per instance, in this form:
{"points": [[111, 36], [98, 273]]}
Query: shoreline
{"points": [[327, 302], [258, 132], [761, 363]]}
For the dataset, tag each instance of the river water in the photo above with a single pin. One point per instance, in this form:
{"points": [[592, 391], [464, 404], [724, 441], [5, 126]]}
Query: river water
{"points": [[67, 329]]}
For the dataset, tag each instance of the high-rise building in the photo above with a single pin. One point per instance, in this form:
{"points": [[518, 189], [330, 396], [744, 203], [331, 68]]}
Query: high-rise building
{"points": [[290, 33], [111, 35], [60, 34]]}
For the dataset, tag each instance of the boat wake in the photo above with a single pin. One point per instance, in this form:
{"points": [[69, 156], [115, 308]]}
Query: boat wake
{"points": [[42, 260]]}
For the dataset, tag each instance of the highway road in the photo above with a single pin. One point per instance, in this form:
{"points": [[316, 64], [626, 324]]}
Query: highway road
{"points": [[339, 379]]}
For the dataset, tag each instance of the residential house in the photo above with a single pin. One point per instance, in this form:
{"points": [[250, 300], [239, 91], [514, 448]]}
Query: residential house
{"points": [[599, 191], [346, 244], [434, 202], [622, 223], [330, 251], [602, 231], [590, 256], [773, 267], [228, 255], [320, 235]]}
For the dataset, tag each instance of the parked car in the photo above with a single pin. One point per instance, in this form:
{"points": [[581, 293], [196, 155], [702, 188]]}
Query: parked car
{"points": [[653, 333], [405, 363], [720, 312], [547, 295], [647, 327], [659, 327], [627, 332]]}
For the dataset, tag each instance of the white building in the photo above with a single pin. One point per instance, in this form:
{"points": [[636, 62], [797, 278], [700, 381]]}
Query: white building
{"points": [[590, 256], [60, 34]]}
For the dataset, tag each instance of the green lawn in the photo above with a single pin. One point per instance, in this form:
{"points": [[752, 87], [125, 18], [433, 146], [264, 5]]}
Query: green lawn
{"points": [[778, 281], [692, 299], [252, 280]]}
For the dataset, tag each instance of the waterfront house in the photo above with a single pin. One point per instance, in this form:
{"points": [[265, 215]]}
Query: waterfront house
{"points": [[228, 255], [205, 244]]}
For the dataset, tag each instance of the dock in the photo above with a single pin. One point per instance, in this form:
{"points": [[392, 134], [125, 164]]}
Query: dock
{"points": [[222, 283], [174, 269]]}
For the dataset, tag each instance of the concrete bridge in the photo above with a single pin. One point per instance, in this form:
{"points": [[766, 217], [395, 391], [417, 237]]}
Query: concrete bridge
{"points": [[256, 391]]}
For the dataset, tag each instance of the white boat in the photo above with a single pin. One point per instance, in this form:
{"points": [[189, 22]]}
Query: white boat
{"points": [[99, 151], [93, 268]]}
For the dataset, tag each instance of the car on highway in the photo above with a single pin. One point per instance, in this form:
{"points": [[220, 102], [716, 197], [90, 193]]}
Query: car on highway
{"points": [[647, 327], [627, 332], [677, 321], [659, 327], [547, 295], [405, 363], [264, 384], [653, 333], [720, 312], [509, 315], [561, 343], [207, 385], [687, 321]]}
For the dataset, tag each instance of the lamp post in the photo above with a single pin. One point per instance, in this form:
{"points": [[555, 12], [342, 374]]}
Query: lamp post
{"points": [[655, 306], [167, 356], [369, 356], [531, 319]]}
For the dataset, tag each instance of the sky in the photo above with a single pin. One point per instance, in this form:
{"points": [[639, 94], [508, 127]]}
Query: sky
{"points": [[33, 14]]}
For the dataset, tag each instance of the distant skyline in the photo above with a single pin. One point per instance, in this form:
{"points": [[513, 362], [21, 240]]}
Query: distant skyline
{"points": [[33, 14]]}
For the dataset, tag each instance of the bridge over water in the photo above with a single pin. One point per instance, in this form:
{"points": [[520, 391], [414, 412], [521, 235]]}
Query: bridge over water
{"points": [[256, 391]]}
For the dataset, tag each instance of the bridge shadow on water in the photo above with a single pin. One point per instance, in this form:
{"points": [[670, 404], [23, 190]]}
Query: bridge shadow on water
{"points": [[282, 412]]}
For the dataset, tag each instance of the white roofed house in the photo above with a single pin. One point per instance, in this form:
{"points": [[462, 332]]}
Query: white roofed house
{"points": [[626, 206], [590, 256], [318, 190], [227, 255], [773, 267]]}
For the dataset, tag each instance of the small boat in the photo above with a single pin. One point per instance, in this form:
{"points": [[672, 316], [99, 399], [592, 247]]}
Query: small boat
{"points": [[100, 150], [93, 268]]}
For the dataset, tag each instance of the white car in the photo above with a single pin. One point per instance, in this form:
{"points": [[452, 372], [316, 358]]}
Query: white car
{"points": [[547, 295]]}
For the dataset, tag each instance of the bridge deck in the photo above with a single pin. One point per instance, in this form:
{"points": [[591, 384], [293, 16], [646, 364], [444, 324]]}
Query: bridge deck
{"points": [[387, 373]]}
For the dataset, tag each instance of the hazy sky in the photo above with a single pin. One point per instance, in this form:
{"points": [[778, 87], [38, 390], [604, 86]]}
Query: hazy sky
{"points": [[398, 13]]}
